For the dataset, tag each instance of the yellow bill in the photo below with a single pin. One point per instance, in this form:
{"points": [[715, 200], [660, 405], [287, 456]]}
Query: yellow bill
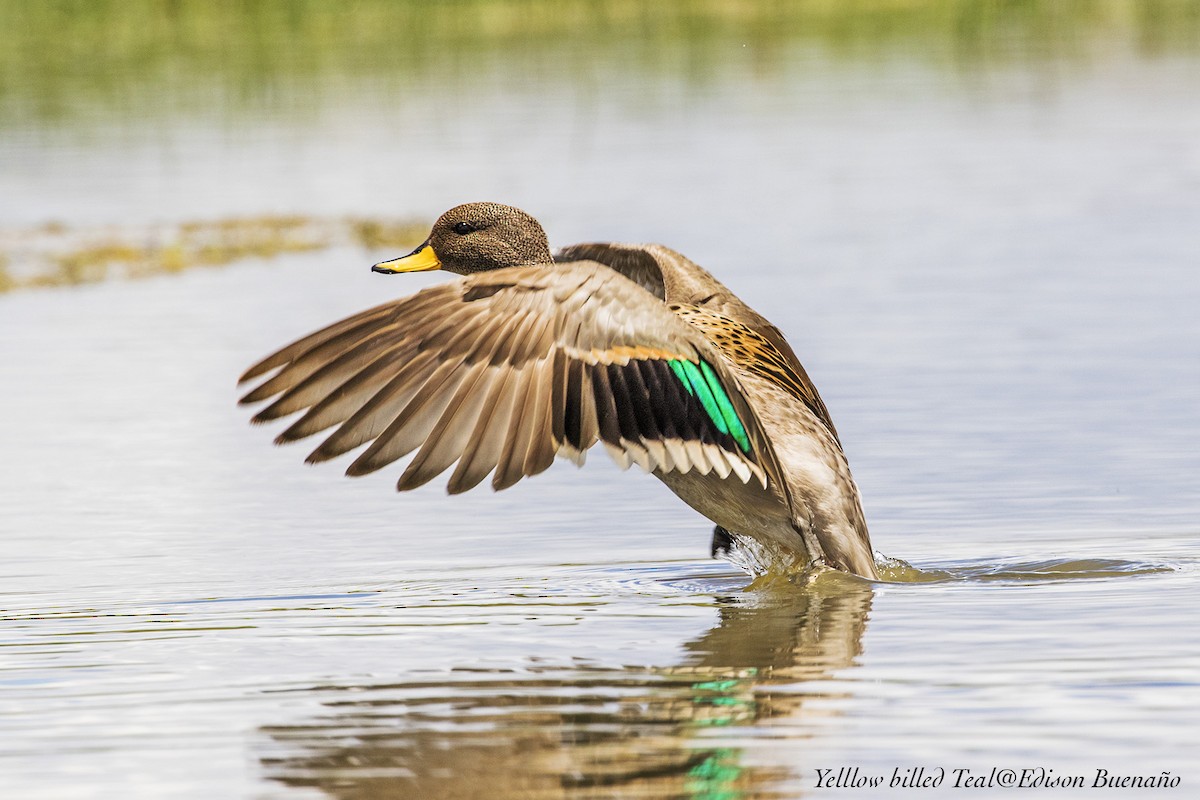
{"points": [[420, 260]]}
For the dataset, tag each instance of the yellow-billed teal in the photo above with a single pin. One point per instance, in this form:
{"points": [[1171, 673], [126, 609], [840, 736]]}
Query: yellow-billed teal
{"points": [[530, 356]]}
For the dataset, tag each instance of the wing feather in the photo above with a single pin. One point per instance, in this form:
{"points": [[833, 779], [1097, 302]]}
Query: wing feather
{"points": [[306, 363], [325, 379], [289, 354], [540, 449], [414, 422], [377, 413], [503, 371], [482, 451], [449, 436], [510, 466], [338, 406]]}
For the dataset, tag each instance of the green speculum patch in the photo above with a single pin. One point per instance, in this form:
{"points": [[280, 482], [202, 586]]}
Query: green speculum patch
{"points": [[701, 382]]}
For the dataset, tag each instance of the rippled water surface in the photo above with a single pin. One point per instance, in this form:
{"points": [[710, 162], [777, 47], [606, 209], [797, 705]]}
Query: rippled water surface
{"points": [[989, 268]]}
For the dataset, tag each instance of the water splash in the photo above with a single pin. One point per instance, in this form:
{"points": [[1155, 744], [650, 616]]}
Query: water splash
{"points": [[770, 566]]}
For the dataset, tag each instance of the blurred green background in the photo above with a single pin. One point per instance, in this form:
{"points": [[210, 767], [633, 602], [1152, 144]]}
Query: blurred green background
{"points": [[251, 129], [68, 62]]}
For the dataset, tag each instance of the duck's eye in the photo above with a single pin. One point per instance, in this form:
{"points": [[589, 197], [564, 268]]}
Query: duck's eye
{"points": [[463, 228]]}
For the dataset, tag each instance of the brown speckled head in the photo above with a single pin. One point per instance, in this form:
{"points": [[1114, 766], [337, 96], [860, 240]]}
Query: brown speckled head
{"points": [[477, 237]]}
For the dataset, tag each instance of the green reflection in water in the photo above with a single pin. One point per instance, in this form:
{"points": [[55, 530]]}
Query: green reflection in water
{"points": [[713, 778], [590, 732], [70, 60]]}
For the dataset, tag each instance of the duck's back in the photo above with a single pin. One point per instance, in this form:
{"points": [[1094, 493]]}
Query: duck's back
{"points": [[822, 497], [745, 337]]}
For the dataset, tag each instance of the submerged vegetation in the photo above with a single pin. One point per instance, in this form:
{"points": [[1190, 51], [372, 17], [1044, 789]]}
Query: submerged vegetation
{"points": [[57, 255], [71, 60]]}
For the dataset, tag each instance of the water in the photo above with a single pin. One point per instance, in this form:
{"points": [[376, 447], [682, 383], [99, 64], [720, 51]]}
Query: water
{"points": [[990, 273]]}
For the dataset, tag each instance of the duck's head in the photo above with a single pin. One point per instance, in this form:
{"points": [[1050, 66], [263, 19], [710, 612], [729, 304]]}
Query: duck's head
{"points": [[476, 237]]}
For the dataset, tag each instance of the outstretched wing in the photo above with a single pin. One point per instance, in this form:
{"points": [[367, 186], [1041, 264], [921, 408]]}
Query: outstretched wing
{"points": [[502, 371]]}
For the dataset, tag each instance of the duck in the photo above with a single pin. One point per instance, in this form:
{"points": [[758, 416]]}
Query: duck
{"points": [[531, 355]]}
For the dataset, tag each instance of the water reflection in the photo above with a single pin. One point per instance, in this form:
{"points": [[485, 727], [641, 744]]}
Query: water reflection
{"points": [[587, 732]]}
